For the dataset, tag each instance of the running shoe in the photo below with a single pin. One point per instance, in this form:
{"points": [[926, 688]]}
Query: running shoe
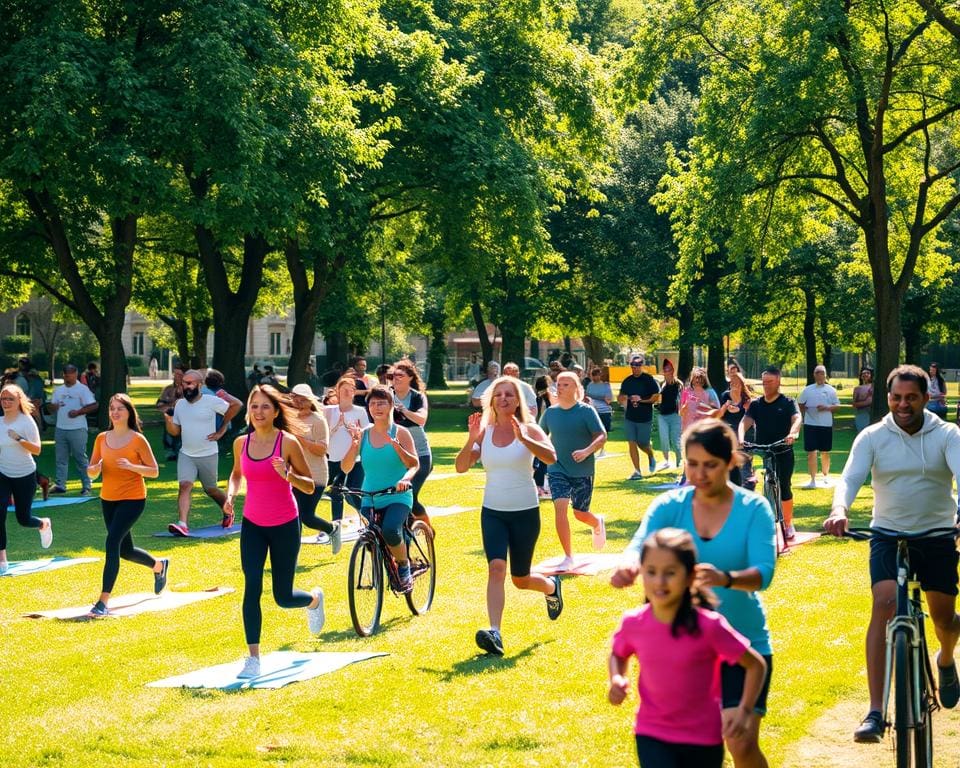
{"points": [[555, 601], [86, 492], [637, 475], [406, 580], [871, 729], [160, 578], [949, 684], [653, 466], [46, 532], [812, 485], [58, 489], [336, 538], [662, 466], [251, 668], [99, 611], [489, 640], [791, 533], [179, 529], [322, 538], [4, 567], [315, 616], [564, 565], [600, 533], [227, 520]]}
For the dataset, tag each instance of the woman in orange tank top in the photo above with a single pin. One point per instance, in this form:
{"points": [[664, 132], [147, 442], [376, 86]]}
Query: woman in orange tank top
{"points": [[124, 457]]}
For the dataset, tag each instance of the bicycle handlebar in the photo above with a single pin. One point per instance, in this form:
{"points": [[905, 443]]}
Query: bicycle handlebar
{"points": [[865, 534], [747, 446], [358, 492]]}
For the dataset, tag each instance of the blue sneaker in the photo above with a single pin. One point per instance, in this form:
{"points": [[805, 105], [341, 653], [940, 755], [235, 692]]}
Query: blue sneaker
{"points": [[489, 640], [555, 601], [99, 611], [949, 684], [160, 579]]}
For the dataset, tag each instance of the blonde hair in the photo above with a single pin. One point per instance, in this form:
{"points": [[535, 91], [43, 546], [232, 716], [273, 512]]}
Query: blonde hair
{"points": [[576, 379], [24, 403], [489, 414]]}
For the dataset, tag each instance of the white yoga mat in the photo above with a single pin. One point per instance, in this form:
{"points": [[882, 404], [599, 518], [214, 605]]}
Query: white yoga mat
{"points": [[24, 567], [583, 565], [131, 605], [445, 511], [277, 669]]}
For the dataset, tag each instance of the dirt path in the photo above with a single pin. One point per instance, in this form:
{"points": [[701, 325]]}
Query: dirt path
{"points": [[830, 743]]}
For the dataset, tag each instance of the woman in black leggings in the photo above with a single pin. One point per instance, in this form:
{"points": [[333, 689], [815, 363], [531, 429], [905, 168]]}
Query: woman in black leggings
{"points": [[124, 457], [19, 443]]}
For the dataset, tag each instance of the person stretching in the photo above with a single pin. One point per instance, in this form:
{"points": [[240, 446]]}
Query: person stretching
{"points": [[124, 457], [270, 460], [680, 644], [506, 440], [19, 443]]}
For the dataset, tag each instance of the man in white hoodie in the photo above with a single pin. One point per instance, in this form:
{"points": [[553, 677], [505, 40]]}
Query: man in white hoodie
{"points": [[914, 456]]}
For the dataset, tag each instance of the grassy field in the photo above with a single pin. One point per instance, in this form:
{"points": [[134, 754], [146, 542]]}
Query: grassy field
{"points": [[74, 693]]}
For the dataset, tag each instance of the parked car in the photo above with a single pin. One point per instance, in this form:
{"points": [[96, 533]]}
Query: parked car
{"points": [[532, 367]]}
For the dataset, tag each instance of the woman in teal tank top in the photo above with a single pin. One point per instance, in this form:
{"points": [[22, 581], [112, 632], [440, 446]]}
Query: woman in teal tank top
{"points": [[389, 460]]}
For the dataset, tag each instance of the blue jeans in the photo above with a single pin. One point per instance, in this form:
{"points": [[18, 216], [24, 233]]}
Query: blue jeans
{"points": [[394, 516], [669, 428], [71, 442]]}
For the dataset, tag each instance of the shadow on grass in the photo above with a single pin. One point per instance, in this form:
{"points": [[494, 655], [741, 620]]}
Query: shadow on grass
{"points": [[483, 663]]}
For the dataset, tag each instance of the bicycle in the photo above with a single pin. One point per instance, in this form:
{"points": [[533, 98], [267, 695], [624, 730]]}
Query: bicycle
{"points": [[907, 667], [371, 558], [771, 484]]}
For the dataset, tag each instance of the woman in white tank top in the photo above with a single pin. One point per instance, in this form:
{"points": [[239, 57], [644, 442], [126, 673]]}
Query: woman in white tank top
{"points": [[506, 440]]}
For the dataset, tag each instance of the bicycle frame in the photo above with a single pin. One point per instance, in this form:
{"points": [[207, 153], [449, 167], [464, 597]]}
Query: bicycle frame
{"points": [[772, 481]]}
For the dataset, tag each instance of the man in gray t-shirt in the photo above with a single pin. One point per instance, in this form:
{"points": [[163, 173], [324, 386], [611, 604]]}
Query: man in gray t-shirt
{"points": [[577, 434]]}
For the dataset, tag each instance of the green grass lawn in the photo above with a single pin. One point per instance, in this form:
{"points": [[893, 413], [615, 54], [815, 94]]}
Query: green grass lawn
{"points": [[74, 694]]}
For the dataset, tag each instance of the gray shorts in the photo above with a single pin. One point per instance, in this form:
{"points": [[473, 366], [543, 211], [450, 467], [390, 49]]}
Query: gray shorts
{"points": [[189, 468], [638, 431]]}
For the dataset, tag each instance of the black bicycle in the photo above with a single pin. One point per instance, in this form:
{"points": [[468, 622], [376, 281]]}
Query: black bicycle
{"points": [[771, 484], [371, 559], [907, 666]]}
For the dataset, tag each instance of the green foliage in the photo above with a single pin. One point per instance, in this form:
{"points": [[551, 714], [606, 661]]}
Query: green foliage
{"points": [[15, 344]]}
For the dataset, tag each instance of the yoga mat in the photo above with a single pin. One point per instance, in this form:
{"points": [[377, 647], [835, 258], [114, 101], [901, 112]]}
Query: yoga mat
{"points": [[442, 475], [58, 501], [803, 537], [207, 532], [445, 511], [608, 455], [23, 567], [345, 536], [661, 486], [277, 669], [583, 565], [131, 605]]}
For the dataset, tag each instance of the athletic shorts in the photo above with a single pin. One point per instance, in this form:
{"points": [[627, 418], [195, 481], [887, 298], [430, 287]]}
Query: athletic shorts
{"points": [[189, 468], [656, 753], [578, 489], [817, 438], [514, 533], [934, 560], [732, 678], [638, 431]]}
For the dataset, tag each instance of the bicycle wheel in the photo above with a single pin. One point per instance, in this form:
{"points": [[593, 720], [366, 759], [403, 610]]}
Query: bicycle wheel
{"points": [[903, 694], [365, 587], [923, 734], [423, 568], [771, 492]]}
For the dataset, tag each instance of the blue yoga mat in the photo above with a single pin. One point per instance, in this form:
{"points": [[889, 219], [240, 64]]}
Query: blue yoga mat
{"points": [[208, 532], [59, 501], [277, 669], [23, 567]]}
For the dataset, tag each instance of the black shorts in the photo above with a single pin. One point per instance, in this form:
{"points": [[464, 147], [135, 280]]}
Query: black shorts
{"points": [[783, 462], [732, 677], [934, 560], [515, 533], [656, 753], [817, 438]]}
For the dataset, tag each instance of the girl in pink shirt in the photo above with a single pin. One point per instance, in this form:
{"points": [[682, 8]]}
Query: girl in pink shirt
{"points": [[679, 644]]}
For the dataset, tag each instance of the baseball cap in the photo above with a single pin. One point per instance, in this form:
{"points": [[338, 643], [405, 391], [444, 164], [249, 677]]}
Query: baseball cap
{"points": [[303, 390]]}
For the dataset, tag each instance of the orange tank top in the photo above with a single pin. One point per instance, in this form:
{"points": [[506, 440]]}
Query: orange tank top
{"points": [[122, 484]]}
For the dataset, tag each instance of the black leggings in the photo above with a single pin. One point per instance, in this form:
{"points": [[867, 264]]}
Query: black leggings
{"points": [[352, 480], [119, 517], [539, 472], [22, 489], [417, 481], [513, 532], [283, 544], [654, 753], [783, 463], [307, 507]]}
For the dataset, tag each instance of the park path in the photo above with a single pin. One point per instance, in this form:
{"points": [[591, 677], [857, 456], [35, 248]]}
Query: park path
{"points": [[829, 744]]}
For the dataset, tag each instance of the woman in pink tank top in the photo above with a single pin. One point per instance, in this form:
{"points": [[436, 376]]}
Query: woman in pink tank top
{"points": [[270, 460]]}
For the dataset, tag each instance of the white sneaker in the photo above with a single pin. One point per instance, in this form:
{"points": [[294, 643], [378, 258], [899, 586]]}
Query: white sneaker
{"points": [[251, 668], [564, 565], [600, 533], [637, 475], [810, 486], [662, 466], [791, 533], [322, 538], [315, 617], [336, 538], [46, 533]]}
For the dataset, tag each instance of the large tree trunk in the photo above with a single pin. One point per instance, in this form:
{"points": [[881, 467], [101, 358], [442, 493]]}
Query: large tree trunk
{"points": [[888, 347], [200, 328], [810, 331], [684, 341], [594, 348], [437, 357], [716, 360], [337, 350], [486, 346], [231, 309], [181, 335]]}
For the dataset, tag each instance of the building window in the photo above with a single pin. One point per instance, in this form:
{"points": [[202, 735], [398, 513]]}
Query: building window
{"points": [[137, 346], [23, 325], [275, 347]]}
